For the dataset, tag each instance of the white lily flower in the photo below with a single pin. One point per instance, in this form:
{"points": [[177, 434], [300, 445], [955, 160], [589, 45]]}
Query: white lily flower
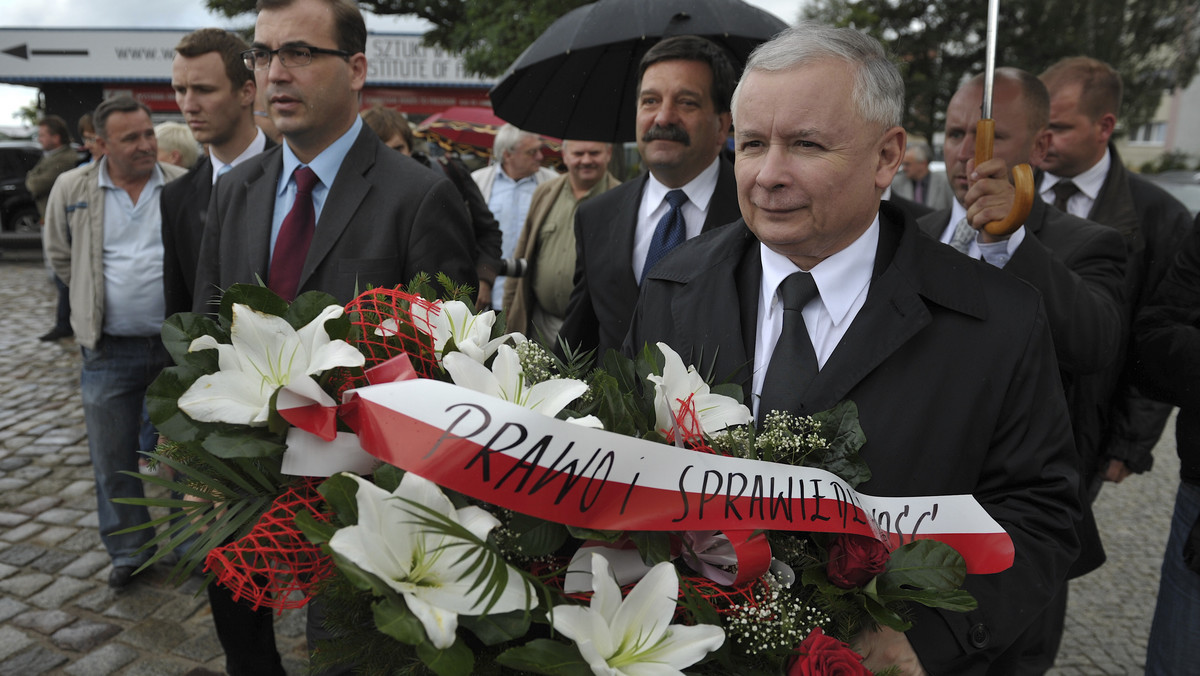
{"points": [[265, 354], [472, 333], [677, 384], [432, 571], [505, 380], [634, 636]]}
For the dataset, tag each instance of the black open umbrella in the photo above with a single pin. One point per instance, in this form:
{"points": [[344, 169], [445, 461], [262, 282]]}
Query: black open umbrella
{"points": [[578, 80]]}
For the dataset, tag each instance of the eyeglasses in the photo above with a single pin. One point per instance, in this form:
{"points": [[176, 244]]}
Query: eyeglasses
{"points": [[290, 57]]}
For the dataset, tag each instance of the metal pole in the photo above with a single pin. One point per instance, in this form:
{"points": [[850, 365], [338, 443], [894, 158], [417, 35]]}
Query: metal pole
{"points": [[989, 67]]}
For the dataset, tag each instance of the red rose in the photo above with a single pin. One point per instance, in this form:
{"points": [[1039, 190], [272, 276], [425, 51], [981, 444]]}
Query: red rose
{"points": [[855, 559], [821, 655]]}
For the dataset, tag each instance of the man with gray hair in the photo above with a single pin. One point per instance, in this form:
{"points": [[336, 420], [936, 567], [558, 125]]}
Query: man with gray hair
{"points": [[918, 183], [508, 184], [822, 294], [104, 240]]}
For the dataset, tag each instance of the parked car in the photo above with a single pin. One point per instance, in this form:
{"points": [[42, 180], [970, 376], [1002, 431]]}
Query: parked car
{"points": [[18, 212], [1183, 186]]}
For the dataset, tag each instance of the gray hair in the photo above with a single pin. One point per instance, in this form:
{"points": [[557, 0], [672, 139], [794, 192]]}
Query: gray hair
{"points": [[878, 88], [507, 138], [924, 152]]}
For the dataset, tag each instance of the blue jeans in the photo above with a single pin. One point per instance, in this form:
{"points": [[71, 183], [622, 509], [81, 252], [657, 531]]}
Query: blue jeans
{"points": [[1173, 648], [113, 384]]}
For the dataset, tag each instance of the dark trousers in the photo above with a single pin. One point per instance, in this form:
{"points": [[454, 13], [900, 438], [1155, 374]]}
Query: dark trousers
{"points": [[62, 315], [246, 635]]}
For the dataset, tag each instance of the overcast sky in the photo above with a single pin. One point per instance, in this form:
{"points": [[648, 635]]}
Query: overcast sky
{"points": [[186, 14]]}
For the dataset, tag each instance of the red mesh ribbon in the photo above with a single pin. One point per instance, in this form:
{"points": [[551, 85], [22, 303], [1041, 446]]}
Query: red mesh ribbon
{"points": [[389, 322], [275, 558]]}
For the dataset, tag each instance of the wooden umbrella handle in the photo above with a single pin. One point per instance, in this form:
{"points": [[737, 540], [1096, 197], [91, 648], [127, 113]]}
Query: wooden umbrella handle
{"points": [[1022, 175]]}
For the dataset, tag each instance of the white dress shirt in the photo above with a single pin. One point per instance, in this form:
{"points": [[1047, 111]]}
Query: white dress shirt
{"points": [[996, 253], [1089, 183], [654, 206], [842, 281]]}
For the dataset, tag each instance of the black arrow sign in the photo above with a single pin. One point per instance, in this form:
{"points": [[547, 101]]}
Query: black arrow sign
{"points": [[23, 52]]}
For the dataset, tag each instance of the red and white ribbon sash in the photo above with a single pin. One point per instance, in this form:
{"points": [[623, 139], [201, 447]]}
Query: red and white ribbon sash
{"points": [[521, 460]]}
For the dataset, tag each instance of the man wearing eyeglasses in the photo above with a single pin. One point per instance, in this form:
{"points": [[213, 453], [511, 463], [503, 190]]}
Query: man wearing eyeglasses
{"points": [[332, 208]]}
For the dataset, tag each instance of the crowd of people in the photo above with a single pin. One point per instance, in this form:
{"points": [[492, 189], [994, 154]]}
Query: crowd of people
{"points": [[818, 260]]}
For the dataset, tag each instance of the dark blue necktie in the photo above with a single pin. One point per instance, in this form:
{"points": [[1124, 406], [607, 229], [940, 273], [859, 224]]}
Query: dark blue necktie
{"points": [[670, 232]]}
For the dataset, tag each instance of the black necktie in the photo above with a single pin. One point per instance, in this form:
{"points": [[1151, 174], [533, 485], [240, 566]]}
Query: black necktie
{"points": [[794, 362], [670, 232], [1063, 191]]}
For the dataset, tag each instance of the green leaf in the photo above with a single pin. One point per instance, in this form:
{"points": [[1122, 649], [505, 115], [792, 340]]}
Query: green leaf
{"points": [[543, 656], [243, 444], [396, 620], [309, 305], [181, 329], [884, 615], [654, 546], [537, 537], [318, 532], [258, 297], [496, 629], [453, 661], [162, 403], [341, 492], [840, 426], [387, 477], [924, 564]]}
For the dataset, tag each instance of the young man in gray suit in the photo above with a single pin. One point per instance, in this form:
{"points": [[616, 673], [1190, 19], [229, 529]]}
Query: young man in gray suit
{"points": [[376, 217]]}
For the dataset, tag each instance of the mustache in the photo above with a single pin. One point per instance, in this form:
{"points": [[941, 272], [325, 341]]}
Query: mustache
{"points": [[671, 133]]}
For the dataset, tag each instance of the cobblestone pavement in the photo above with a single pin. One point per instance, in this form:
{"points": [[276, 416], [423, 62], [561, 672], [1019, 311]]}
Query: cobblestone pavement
{"points": [[58, 616]]}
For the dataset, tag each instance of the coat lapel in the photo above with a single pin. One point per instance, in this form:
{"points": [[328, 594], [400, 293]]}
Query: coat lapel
{"points": [[893, 313]]}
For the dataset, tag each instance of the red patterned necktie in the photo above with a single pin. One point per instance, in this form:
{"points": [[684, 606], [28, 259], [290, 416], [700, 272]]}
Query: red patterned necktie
{"points": [[296, 233]]}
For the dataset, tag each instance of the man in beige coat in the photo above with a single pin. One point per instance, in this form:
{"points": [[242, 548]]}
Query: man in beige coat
{"points": [[537, 303]]}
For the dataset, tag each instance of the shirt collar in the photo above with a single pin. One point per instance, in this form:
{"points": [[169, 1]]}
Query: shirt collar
{"points": [[840, 278], [156, 177], [501, 176], [326, 164], [699, 190], [256, 146], [1089, 182]]}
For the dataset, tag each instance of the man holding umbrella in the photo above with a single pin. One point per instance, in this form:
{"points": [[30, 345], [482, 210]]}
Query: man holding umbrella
{"points": [[682, 122]]}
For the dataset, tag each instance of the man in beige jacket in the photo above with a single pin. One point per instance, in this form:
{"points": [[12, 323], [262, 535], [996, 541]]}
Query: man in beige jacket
{"points": [[537, 303]]}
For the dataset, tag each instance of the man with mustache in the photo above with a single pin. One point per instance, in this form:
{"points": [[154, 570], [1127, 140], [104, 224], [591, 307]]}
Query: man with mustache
{"points": [[536, 302], [365, 215], [682, 123], [104, 241]]}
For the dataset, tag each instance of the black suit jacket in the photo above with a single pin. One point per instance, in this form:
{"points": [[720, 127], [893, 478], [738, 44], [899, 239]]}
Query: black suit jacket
{"points": [[951, 364], [385, 219], [605, 286], [184, 206], [1153, 224]]}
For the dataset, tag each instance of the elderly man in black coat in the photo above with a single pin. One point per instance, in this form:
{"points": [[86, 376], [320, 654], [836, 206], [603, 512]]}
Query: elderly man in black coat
{"points": [[821, 295]]}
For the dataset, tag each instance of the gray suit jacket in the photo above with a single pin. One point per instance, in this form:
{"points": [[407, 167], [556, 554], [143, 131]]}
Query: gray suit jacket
{"points": [[385, 219]]}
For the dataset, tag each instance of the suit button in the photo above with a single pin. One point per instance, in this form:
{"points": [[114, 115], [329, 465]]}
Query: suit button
{"points": [[979, 636]]}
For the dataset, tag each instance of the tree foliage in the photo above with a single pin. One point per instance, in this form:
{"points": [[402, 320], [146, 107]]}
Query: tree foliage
{"points": [[487, 35], [1154, 44]]}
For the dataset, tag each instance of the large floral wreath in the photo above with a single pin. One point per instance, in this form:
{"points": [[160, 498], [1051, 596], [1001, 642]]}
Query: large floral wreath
{"points": [[482, 559]]}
